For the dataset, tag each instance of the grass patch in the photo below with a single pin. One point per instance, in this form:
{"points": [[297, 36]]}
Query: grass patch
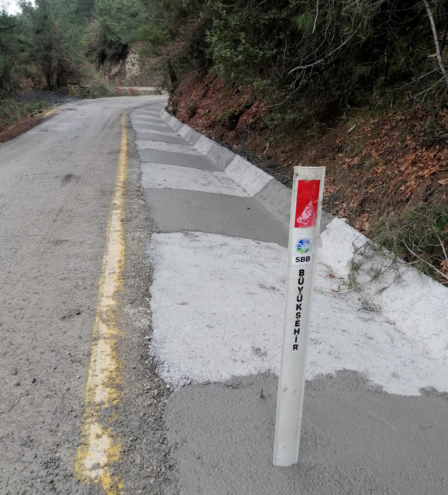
{"points": [[12, 111]]}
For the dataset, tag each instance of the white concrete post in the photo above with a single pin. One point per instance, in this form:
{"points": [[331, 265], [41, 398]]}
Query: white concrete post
{"points": [[304, 231]]}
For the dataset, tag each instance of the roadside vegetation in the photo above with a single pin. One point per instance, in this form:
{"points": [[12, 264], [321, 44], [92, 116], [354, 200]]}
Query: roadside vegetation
{"points": [[358, 86], [14, 111], [416, 237]]}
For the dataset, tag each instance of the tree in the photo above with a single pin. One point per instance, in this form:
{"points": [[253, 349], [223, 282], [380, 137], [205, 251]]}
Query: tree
{"points": [[8, 51], [121, 20], [51, 37], [85, 7]]}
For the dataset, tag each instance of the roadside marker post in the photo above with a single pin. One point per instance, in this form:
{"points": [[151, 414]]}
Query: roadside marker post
{"points": [[304, 233]]}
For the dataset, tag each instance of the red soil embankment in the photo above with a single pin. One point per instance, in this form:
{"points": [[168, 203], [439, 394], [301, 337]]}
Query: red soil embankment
{"points": [[376, 165]]}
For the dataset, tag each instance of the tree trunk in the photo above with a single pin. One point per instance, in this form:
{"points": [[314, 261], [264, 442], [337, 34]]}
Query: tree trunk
{"points": [[436, 41], [48, 77], [172, 73]]}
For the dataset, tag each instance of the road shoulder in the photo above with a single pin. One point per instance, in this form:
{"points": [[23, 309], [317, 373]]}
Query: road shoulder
{"points": [[146, 457]]}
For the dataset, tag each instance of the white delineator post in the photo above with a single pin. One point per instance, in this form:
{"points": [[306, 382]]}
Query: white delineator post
{"points": [[304, 232]]}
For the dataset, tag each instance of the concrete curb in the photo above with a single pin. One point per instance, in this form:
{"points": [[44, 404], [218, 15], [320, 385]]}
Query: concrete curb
{"points": [[248, 176], [272, 195]]}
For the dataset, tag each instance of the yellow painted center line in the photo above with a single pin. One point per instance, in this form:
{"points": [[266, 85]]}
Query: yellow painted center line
{"points": [[100, 445], [48, 112]]}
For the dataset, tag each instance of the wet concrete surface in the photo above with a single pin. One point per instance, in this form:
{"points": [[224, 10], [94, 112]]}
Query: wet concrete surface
{"points": [[355, 440], [205, 212], [173, 158]]}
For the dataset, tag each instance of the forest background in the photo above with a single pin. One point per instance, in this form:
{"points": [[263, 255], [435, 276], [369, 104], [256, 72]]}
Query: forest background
{"points": [[359, 86]]}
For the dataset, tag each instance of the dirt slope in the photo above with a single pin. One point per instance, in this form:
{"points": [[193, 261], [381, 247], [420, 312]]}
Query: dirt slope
{"points": [[376, 164]]}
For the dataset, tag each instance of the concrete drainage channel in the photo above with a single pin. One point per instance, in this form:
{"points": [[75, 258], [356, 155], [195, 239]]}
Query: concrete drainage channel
{"points": [[375, 409], [271, 194]]}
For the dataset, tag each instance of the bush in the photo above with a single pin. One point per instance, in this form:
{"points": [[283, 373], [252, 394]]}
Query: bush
{"points": [[417, 237], [229, 118], [192, 108], [12, 111], [99, 89], [340, 55]]}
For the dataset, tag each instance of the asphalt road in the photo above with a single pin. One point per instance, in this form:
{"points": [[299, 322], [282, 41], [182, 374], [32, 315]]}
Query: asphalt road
{"points": [[56, 187], [141, 295]]}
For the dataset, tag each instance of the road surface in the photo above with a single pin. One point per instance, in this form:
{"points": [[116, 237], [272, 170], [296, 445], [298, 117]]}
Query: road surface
{"points": [[56, 188], [141, 299]]}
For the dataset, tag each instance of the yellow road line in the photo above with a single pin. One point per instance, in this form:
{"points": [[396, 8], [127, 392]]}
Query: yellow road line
{"points": [[100, 445], [49, 112], [43, 115]]}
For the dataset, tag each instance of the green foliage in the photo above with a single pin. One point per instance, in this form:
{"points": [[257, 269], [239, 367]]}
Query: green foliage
{"points": [[229, 118], [12, 111], [99, 89], [49, 41], [100, 48], [173, 15], [85, 7], [50, 38], [280, 119], [192, 108], [329, 55], [46, 45], [120, 23], [8, 53], [121, 20], [41, 43], [180, 40], [313, 131], [305, 22], [325, 56], [244, 42], [418, 236], [154, 38]]}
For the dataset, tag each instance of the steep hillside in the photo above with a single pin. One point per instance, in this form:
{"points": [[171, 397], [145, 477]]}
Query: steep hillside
{"points": [[378, 165]]}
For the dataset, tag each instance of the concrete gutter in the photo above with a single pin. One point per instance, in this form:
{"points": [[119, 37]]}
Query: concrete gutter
{"points": [[271, 194]]}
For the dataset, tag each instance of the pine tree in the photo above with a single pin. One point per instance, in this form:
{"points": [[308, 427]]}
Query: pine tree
{"points": [[51, 36]]}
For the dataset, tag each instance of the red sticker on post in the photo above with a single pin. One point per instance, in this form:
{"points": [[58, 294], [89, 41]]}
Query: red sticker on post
{"points": [[307, 203]]}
